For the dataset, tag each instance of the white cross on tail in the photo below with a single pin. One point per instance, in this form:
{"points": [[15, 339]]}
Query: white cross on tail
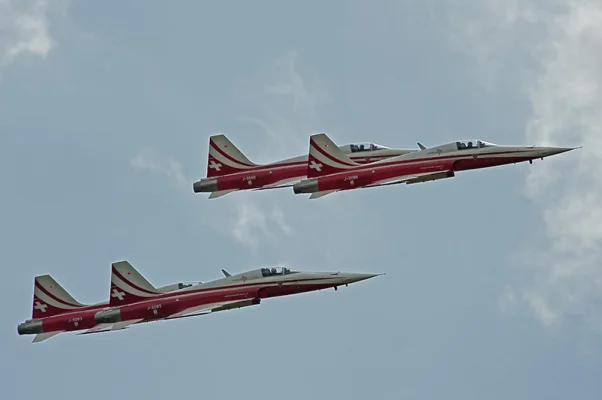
{"points": [[215, 166], [40, 306], [118, 294], [316, 166]]}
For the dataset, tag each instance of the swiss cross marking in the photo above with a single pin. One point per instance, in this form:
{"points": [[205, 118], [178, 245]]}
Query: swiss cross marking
{"points": [[118, 294], [215, 166], [316, 166], [40, 306]]}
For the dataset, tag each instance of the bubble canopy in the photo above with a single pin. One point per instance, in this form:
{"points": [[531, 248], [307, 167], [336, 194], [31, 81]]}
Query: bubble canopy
{"points": [[366, 146], [276, 271], [473, 144]]}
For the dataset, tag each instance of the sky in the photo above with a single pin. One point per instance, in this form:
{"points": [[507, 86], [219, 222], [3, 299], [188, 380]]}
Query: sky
{"points": [[493, 282]]}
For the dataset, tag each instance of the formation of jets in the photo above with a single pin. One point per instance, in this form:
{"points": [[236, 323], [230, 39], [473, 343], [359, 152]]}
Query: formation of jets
{"points": [[134, 300], [327, 168]]}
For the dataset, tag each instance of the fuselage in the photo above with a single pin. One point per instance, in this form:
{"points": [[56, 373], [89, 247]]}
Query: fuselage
{"points": [[285, 172], [75, 320], [252, 285], [450, 157]]}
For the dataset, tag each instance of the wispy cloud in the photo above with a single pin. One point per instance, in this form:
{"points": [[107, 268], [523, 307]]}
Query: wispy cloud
{"points": [[25, 30], [566, 102], [282, 105], [150, 161], [279, 105], [562, 42], [253, 223]]}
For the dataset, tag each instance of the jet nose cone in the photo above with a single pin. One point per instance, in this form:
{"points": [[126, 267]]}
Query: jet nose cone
{"points": [[352, 278], [552, 151]]}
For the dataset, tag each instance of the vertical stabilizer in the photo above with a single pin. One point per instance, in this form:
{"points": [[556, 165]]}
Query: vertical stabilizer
{"points": [[225, 158], [326, 158], [50, 298], [128, 285]]}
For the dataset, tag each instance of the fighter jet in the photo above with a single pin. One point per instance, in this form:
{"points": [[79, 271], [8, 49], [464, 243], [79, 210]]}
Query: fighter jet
{"points": [[331, 170], [55, 311], [229, 170], [134, 300]]}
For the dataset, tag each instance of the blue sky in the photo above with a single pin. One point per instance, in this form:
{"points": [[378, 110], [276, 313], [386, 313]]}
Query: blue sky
{"points": [[493, 280]]}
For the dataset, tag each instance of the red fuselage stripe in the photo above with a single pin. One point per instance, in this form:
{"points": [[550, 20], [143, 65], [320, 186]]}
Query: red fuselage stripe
{"points": [[435, 159]]}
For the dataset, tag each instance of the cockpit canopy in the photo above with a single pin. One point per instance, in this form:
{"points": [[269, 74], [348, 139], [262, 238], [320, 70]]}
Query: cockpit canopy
{"points": [[276, 271], [472, 144], [358, 147]]}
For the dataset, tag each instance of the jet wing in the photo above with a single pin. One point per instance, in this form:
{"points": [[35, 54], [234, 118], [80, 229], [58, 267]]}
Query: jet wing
{"points": [[414, 178], [107, 327], [213, 307]]}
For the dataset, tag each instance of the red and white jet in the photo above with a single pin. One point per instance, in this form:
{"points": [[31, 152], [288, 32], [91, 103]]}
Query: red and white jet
{"points": [[55, 311], [339, 172], [229, 170], [134, 300]]}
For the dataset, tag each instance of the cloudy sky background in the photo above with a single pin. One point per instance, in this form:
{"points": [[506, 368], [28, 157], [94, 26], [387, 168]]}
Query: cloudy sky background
{"points": [[493, 278]]}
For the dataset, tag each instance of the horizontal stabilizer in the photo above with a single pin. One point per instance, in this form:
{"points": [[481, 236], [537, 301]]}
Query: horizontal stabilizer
{"points": [[220, 193], [317, 195], [40, 337]]}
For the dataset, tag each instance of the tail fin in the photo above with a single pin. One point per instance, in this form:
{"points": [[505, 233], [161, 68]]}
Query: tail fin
{"points": [[128, 285], [225, 158], [49, 298], [325, 157]]}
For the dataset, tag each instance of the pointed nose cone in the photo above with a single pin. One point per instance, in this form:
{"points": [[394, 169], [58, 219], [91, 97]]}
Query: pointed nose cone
{"points": [[352, 278], [552, 151]]}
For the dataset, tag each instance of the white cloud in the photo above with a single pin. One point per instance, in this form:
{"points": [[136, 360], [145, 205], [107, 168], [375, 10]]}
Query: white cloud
{"points": [[278, 105], [566, 110], [25, 29], [282, 105], [148, 160], [565, 48], [253, 223]]}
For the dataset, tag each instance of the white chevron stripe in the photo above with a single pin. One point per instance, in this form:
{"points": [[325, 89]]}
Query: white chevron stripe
{"points": [[128, 288], [215, 154], [50, 301]]}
